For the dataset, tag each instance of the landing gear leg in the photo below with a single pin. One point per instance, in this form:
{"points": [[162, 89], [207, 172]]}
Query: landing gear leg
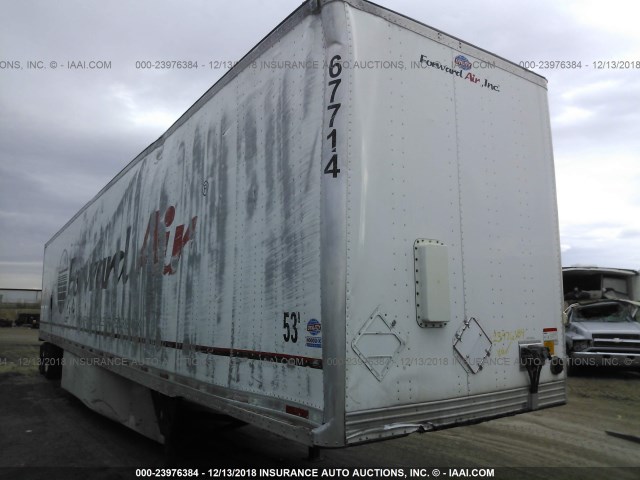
{"points": [[168, 413]]}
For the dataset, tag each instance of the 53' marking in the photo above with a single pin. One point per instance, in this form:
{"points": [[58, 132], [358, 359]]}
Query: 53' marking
{"points": [[290, 325]]}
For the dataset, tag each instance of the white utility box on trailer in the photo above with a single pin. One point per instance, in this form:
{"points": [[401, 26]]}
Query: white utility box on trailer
{"points": [[351, 236]]}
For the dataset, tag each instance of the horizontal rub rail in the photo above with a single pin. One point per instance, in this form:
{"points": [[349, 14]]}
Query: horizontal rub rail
{"points": [[296, 360]]}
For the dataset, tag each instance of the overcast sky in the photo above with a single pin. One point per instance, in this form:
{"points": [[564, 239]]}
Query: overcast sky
{"points": [[65, 133]]}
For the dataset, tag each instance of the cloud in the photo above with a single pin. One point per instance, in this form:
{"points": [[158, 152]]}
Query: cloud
{"points": [[138, 115], [629, 233], [65, 133]]}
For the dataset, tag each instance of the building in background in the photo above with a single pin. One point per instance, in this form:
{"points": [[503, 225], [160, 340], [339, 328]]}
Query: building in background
{"points": [[20, 307]]}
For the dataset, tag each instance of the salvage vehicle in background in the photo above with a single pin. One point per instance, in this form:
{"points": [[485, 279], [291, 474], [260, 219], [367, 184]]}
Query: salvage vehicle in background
{"points": [[601, 313], [594, 283], [603, 333]]}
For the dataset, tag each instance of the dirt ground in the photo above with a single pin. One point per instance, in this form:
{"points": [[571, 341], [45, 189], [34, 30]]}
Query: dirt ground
{"points": [[41, 425]]}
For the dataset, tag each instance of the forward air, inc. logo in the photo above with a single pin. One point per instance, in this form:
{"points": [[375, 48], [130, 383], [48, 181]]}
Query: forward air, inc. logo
{"points": [[162, 245], [460, 65], [462, 62]]}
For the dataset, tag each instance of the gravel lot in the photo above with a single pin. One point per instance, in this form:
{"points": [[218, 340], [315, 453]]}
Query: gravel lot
{"points": [[41, 425]]}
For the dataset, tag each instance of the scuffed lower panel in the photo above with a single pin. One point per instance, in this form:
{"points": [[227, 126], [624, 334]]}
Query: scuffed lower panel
{"points": [[111, 395], [390, 422], [294, 384], [275, 287], [128, 381]]}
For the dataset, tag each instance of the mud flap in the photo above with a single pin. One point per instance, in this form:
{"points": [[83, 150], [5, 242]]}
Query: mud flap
{"points": [[533, 356]]}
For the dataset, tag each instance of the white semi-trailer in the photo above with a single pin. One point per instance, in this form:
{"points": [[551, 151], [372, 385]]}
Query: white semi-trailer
{"points": [[351, 236]]}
